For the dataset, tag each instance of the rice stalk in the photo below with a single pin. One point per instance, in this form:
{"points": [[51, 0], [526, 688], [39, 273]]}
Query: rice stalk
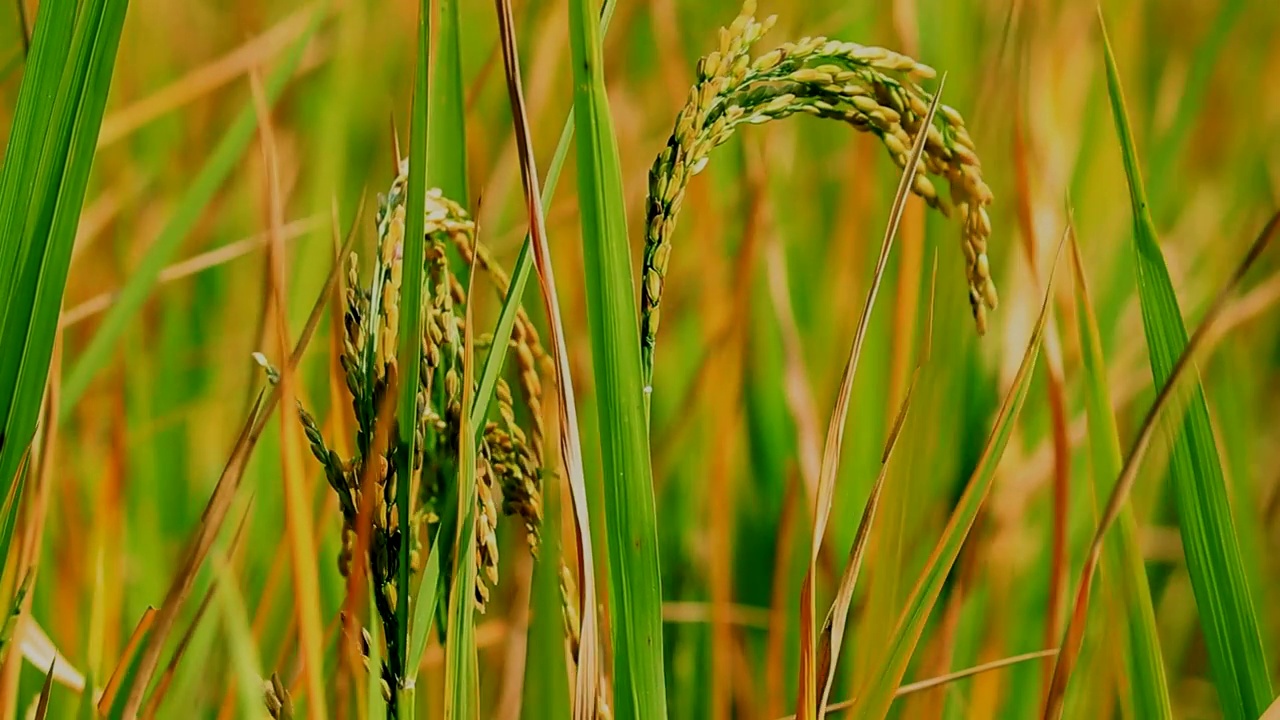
{"points": [[508, 469]]}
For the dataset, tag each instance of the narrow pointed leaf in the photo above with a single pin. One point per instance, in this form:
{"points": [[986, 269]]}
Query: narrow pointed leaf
{"points": [[413, 286], [1170, 390], [42, 707], [892, 665], [446, 126], [815, 671], [525, 260], [588, 689], [460, 670], [1147, 682], [1227, 616], [42, 187], [635, 583]]}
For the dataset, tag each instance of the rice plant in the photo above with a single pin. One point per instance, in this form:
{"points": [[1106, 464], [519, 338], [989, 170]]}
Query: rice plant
{"points": [[240, 234]]}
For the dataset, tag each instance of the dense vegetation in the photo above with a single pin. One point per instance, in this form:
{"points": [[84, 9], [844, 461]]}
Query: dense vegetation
{"points": [[322, 396]]}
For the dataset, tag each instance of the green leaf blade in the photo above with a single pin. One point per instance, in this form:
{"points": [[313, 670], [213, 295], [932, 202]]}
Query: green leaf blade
{"points": [[891, 666], [635, 587], [413, 286], [1148, 685], [446, 110], [494, 359], [42, 190], [37, 94], [461, 671], [1227, 616]]}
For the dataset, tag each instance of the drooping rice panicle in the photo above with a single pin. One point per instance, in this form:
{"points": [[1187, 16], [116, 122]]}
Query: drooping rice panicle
{"points": [[872, 89]]}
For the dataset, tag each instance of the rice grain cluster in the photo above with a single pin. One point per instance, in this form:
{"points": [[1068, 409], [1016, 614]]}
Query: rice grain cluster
{"points": [[872, 89], [509, 458]]}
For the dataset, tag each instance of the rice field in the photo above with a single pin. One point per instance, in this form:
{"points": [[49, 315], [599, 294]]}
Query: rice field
{"points": [[618, 359]]}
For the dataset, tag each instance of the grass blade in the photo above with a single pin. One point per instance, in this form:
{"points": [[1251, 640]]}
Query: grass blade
{"points": [[546, 680], [1221, 590], [110, 703], [497, 354], [588, 688], [920, 685], [525, 260], [875, 701], [42, 188], [815, 681], [409, 353], [460, 670], [14, 614], [833, 627], [42, 707], [1147, 682], [8, 522], [162, 685], [158, 696], [240, 642], [446, 110], [51, 45], [97, 354], [1074, 633], [425, 608], [446, 164], [630, 517], [933, 682]]}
